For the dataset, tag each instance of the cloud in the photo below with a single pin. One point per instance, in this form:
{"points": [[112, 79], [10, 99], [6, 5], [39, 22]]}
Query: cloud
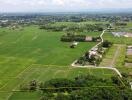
{"points": [[61, 5]]}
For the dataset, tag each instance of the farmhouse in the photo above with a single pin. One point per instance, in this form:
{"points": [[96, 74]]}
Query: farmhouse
{"points": [[119, 34], [94, 52], [88, 39]]}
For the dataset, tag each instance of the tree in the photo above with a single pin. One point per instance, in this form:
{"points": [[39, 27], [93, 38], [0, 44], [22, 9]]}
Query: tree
{"points": [[115, 80], [61, 96], [106, 44], [33, 85]]}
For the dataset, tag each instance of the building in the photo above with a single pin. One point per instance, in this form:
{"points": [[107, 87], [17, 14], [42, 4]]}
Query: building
{"points": [[119, 34], [88, 39]]}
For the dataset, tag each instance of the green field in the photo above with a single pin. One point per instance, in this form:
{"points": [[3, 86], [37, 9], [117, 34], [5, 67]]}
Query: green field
{"points": [[32, 53], [115, 56], [43, 73]]}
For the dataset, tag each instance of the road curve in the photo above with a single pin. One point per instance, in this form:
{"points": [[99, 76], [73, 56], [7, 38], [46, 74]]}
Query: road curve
{"points": [[111, 68]]}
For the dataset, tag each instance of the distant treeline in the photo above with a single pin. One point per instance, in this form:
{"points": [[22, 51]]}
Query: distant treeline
{"points": [[78, 38], [75, 27], [69, 37]]}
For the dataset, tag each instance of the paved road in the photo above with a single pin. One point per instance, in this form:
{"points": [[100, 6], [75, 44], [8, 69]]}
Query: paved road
{"points": [[110, 68], [102, 40]]}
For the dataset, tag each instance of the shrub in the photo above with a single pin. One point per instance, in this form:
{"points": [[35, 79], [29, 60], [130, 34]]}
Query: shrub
{"points": [[106, 44]]}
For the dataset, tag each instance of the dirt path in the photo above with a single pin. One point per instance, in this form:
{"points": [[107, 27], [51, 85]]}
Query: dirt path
{"points": [[115, 56], [107, 67]]}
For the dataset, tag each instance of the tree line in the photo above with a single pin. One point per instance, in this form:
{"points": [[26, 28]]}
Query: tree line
{"points": [[74, 27], [82, 87]]}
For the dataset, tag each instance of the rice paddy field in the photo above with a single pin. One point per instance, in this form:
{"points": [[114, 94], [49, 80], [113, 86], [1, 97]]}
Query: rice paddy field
{"points": [[31, 53]]}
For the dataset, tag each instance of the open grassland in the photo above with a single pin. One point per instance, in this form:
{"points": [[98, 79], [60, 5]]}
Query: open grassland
{"points": [[115, 56], [44, 73], [32, 53], [40, 46]]}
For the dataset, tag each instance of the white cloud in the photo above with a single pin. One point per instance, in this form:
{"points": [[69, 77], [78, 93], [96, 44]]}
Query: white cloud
{"points": [[61, 5]]}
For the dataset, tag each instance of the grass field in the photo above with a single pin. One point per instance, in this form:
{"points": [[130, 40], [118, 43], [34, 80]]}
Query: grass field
{"points": [[115, 56], [44, 73], [37, 54], [32, 53]]}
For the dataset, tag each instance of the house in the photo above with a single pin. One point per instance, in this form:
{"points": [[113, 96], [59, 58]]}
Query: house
{"points": [[88, 39]]}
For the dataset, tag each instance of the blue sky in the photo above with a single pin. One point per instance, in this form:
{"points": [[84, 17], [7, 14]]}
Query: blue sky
{"points": [[60, 5]]}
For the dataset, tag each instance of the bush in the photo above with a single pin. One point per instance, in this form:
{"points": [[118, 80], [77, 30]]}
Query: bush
{"points": [[24, 87], [33, 85], [57, 83], [106, 44]]}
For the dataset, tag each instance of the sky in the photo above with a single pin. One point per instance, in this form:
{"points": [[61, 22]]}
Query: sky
{"points": [[61, 5]]}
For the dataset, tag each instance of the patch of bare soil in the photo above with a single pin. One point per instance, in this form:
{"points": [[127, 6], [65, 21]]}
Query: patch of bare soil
{"points": [[128, 65]]}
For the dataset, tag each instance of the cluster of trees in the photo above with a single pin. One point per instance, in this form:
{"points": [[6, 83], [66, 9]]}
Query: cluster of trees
{"points": [[96, 39], [83, 87], [69, 37], [121, 24], [62, 84], [106, 44], [95, 59], [53, 27], [31, 86], [87, 59], [74, 27], [96, 94]]}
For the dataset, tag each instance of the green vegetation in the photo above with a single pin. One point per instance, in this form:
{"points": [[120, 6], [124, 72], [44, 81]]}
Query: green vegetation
{"points": [[70, 88], [74, 27], [34, 54], [70, 37], [94, 57]]}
